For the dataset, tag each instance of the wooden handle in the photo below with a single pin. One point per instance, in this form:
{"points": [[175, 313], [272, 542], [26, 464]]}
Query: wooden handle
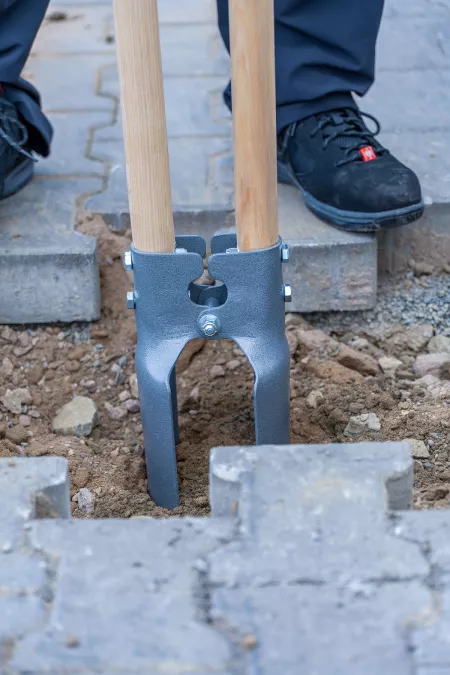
{"points": [[144, 125], [254, 122]]}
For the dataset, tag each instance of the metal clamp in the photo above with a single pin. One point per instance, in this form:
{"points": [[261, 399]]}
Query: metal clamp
{"points": [[246, 306]]}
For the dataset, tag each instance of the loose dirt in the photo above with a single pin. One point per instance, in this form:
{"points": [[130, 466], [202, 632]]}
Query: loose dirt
{"points": [[335, 374]]}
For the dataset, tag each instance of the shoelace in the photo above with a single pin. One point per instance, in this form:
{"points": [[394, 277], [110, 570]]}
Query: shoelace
{"points": [[9, 124], [349, 127]]}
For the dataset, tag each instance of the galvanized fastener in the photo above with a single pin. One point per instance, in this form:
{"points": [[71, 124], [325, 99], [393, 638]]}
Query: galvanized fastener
{"points": [[128, 261], [209, 324], [287, 292], [285, 253], [131, 301]]}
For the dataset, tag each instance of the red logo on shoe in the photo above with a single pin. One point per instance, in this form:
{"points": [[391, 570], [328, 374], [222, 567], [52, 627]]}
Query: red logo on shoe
{"points": [[367, 154]]}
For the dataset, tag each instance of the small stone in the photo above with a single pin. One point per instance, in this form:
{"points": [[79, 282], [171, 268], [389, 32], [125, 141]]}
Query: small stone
{"points": [[13, 400], [134, 385], [50, 375], [437, 492], [36, 449], [355, 407], [7, 367], [249, 642], [90, 385], [132, 405], [24, 421], [292, 339], [99, 333], [73, 366], [17, 435], [115, 452], [35, 414], [77, 418], [24, 339], [418, 448], [439, 344], [9, 335], [233, 364], [192, 348], [117, 414], [124, 396], [194, 396], [81, 477], [21, 351], [313, 399], [429, 364], [76, 354], [358, 424], [389, 365], [85, 500], [421, 268], [35, 374], [71, 640], [216, 371]]}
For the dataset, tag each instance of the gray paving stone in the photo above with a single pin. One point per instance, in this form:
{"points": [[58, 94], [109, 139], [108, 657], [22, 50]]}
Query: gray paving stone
{"points": [[84, 30], [411, 43], [151, 585], [417, 8], [65, 85], [301, 627], [190, 107], [413, 106], [71, 158], [323, 486], [48, 272]]}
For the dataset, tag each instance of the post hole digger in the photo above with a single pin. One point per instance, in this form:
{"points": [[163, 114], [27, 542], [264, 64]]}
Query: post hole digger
{"points": [[247, 304]]}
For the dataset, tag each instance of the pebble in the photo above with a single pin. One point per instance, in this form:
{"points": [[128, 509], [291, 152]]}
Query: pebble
{"points": [[124, 395], [233, 364], [358, 424], [389, 365], [81, 477], [7, 367], [134, 385], [216, 371], [76, 354], [76, 418], [24, 339], [9, 335], [429, 364], [85, 500], [117, 414], [73, 366], [13, 400], [132, 405], [35, 374], [34, 413], [313, 399], [439, 344], [90, 385], [418, 448], [24, 421], [17, 435], [201, 501], [115, 452]]}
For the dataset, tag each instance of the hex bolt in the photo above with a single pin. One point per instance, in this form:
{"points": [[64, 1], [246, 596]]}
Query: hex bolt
{"points": [[131, 301], [287, 292], [209, 324], [128, 261], [285, 253]]}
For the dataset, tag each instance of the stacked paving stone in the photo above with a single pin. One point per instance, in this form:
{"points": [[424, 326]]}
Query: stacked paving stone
{"points": [[308, 564]]}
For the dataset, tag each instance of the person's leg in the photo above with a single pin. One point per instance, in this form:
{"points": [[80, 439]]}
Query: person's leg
{"points": [[19, 24], [325, 52]]}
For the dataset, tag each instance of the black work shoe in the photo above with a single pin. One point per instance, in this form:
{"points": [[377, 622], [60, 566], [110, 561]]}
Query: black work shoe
{"points": [[16, 161], [346, 176]]}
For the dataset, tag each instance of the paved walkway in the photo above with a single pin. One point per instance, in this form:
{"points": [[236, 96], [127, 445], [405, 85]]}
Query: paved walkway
{"points": [[73, 64]]}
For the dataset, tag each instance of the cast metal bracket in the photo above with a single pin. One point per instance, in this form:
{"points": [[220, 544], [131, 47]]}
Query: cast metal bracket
{"points": [[246, 306]]}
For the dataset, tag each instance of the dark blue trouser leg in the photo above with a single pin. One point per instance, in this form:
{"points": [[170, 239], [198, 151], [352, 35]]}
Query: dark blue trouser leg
{"points": [[19, 23], [324, 49]]}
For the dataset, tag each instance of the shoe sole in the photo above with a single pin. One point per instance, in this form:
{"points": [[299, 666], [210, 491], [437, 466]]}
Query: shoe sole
{"points": [[18, 178], [352, 221]]}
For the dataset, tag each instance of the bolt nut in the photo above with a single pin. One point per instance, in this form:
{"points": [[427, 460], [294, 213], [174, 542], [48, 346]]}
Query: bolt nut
{"points": [[128, 261], [287, 292], [131, 301], [285, 253], [209, 325]]}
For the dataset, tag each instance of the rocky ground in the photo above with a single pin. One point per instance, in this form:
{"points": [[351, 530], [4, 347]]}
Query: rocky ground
{"points": [[381, 375]]}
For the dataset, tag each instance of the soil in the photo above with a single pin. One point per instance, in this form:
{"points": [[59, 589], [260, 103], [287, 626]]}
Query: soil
{"points": [[54, 363]]}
